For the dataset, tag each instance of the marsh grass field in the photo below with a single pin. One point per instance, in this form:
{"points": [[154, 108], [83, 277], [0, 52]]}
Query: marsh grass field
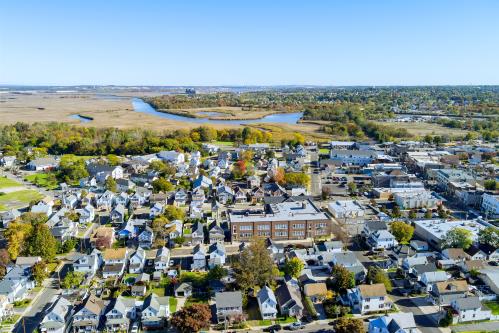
{"points": [[421, 129]]}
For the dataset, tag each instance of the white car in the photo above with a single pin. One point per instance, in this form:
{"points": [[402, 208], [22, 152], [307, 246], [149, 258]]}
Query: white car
{"points": [[297, 325], [135, 328]]}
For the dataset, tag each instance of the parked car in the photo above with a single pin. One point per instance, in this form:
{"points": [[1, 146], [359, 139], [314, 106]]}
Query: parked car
{"points": [[273, 328], [135, 328], [297, 325]]}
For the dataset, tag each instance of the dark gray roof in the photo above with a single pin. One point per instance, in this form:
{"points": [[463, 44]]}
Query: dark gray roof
{"points": [[469, 303], [229, 299]]}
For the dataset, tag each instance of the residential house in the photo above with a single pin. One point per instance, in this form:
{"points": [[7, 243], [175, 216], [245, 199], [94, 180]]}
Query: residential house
{"points": [[174, 229], [350, 262], [87, 316], [367, 298], [87, 214], [470, 309], [42, 208], [419, 245], [125, 185], [64, 230], [197, 233], [217, 255], [156, 210], [88, 264], [114, 262], [146, 237], [183, 289], [16, 283], [140, 197], [198, 258], [105, 200], [162, 260], [289, 300], [180, 198], [443, 293], [103, 237], [137, 261], [229, 306], [43, 164], [216, 234], [401, 322], [428, 279], [155, 311], [315, 291], [172, 156], [117, 215], [267, 303], [58, 316], [9, 216], [382, 239], [490, 205], [7, 161], [121, 311]]}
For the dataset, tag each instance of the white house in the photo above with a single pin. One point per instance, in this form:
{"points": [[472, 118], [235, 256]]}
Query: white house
{"points": [[57, 317], [114, 262], [382, 239], [367, 298], [267, 303], [137, 261], [415, 199], [88, 264], [162, 259], [430, 278], [87, 214], [155, 311], [172, 156], [470, 309]]}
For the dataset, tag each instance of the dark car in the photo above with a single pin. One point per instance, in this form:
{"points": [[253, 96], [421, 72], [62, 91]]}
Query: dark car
{"points": [[273, 328]]}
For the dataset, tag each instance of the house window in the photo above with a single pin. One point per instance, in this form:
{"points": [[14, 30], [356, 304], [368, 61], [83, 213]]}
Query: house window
{"points": [[263, 227], [381, 306], [246, 234], [320, 225], [298, 233], [299, 226], [245, 227], [264, 233], [281, 233], [281, 226]]}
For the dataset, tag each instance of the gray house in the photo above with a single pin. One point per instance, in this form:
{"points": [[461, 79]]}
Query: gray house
{"points": [[289, 300], [229, 306]]}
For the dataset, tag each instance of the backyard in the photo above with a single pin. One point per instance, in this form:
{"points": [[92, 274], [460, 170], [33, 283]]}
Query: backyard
{"points": [[46, 180], [18, 199], [7, 182]]}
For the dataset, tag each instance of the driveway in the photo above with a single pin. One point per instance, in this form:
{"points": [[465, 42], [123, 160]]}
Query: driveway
{"points": [[424, 313]]}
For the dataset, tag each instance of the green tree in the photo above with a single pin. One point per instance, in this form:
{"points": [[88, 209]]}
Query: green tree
{"points": [[72, 168], [162, 167], [348, 325], [174, 213], [255, 266], [376, 275], [113, 160], [428, 214], [402, 231], [412, 214], [489, 236], [41, 243], [192, 318], [217, 273], [341, 278], [352, 188], [490, 184], [16, 235], [293, 267], [72, 280], [40, 272], [458, 238], [297, 179], [162, 185], [396, 210], [442, 213], [111, 185]]}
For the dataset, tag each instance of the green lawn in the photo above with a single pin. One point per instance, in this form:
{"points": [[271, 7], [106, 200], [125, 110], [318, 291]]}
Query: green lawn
{"points": [[46, 180], [195, 300], [324, 151], [197, 278], [159, 291], [18, 199], [173, 304], [223, 143], [6, 183], [494, 306], [11, 320]]}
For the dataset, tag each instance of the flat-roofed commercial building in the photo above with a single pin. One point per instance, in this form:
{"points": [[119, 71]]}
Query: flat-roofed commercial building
{"points": [[289, 220], [434, 231]]}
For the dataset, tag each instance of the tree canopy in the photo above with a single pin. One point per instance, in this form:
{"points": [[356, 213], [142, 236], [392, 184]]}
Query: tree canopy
{"points": [[293, 267], [489, 236], [255, 266], [402, 231], [459, 238], [192, 318]]}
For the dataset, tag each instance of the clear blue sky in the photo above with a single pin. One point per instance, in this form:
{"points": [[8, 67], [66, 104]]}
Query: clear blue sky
{"points": [[354, 42]]}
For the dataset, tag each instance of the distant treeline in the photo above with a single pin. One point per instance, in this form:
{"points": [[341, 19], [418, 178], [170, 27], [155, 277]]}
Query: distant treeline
{"points": [[61, 138], [450, 99]]}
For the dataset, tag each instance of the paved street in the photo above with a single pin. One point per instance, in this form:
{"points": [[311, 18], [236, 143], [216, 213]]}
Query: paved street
{"points": [[35, 312], [486, 327]]}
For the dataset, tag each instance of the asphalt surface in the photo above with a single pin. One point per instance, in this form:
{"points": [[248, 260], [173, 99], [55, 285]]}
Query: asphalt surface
{"points": [[33, 317], [424, 322]]}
